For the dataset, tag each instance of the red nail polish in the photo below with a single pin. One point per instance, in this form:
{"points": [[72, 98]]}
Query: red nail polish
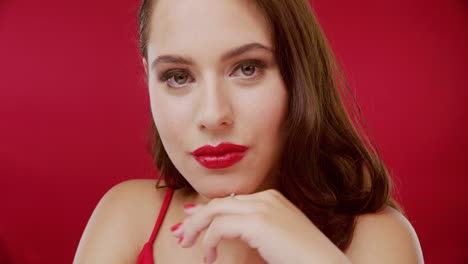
{"points": [[181, 238], [188, 206], [175, 227]]}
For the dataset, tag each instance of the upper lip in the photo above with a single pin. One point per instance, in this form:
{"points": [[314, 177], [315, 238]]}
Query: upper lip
{"points": [[222, 148]]}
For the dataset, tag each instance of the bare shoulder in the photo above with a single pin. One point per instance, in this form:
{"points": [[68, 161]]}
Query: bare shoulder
{"points": [[135, 190], [384, 237], [120, 223]]}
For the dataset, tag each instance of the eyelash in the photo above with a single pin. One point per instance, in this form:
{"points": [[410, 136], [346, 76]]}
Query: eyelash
{"points": [[257, 64]]}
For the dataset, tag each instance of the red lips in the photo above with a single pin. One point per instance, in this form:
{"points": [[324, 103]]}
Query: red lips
{"points": [[221, 156]]}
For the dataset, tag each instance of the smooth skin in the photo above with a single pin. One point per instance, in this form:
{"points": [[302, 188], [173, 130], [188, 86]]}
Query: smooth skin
{"points": [[384, 237], [210, 97], [232, 91]]}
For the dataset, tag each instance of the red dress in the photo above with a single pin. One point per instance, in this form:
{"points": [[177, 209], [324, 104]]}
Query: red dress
{"points": [[146, 254]]}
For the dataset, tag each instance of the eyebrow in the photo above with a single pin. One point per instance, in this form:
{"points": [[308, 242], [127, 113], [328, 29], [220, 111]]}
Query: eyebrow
{"points": [[227, 55]]}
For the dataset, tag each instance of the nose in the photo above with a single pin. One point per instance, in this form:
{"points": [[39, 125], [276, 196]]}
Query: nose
{"points": [[215, 108]]}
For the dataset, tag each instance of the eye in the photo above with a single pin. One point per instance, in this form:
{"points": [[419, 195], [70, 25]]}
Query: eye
{"points": [[251, 68], [179, 78], [175, 78]]}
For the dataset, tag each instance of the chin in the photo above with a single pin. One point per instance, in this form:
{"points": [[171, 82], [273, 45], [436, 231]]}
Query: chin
{"points": [[220, 189]]}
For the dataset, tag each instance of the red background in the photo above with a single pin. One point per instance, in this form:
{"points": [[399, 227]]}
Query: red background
{"points": [[74, 113]]}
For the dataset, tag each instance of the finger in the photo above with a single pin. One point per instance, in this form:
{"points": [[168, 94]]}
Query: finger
{"points": [[260, 200], [188, 209], [196, 223], [192, 208], [266, 195], [225, 227]]}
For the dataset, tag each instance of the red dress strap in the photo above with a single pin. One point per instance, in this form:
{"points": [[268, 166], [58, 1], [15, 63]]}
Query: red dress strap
{"points": [[146, 254], [162, 213]]}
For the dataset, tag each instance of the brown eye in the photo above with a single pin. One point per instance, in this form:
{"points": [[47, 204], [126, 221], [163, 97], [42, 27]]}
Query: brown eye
{"points": [[176, 78], [248, 70], [180, 78]]}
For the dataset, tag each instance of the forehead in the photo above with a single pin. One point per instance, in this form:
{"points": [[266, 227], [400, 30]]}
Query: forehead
{"points": [[205, 27]]}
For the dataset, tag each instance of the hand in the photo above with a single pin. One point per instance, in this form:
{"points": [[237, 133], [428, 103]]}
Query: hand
{"points": [[266, 221]]}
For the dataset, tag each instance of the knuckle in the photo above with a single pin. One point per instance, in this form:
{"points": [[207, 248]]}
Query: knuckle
{"points": [[187, 222], [217, 222], [260, 208], [259, 220], [214, 202], [215, 227], [274, 193], [271, 194]]}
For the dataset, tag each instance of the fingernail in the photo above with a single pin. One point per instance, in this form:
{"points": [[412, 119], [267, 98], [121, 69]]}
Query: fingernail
{"points": [[181, 238], [204, 259], [188, 206], [175, 227]]}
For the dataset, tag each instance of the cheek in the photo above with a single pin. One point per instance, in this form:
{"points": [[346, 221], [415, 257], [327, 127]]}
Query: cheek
{"points": [[265, 108], [171, 117], [263, 115]]}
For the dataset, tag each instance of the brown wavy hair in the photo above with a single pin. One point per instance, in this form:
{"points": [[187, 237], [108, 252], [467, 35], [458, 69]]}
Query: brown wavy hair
{"points": [[330, 169]]}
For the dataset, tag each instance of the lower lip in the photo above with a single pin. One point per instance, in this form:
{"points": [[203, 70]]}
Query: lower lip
{"points": [[220, 161]]}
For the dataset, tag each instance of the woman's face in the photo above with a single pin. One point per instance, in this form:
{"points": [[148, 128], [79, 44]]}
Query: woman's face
{"points": [[213, 78]]}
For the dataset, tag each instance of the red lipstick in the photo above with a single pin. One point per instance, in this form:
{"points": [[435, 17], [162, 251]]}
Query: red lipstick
{"points": [[221, 156]]}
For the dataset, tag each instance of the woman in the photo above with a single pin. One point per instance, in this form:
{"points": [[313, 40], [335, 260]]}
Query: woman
{"points": [[252, 138]]}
